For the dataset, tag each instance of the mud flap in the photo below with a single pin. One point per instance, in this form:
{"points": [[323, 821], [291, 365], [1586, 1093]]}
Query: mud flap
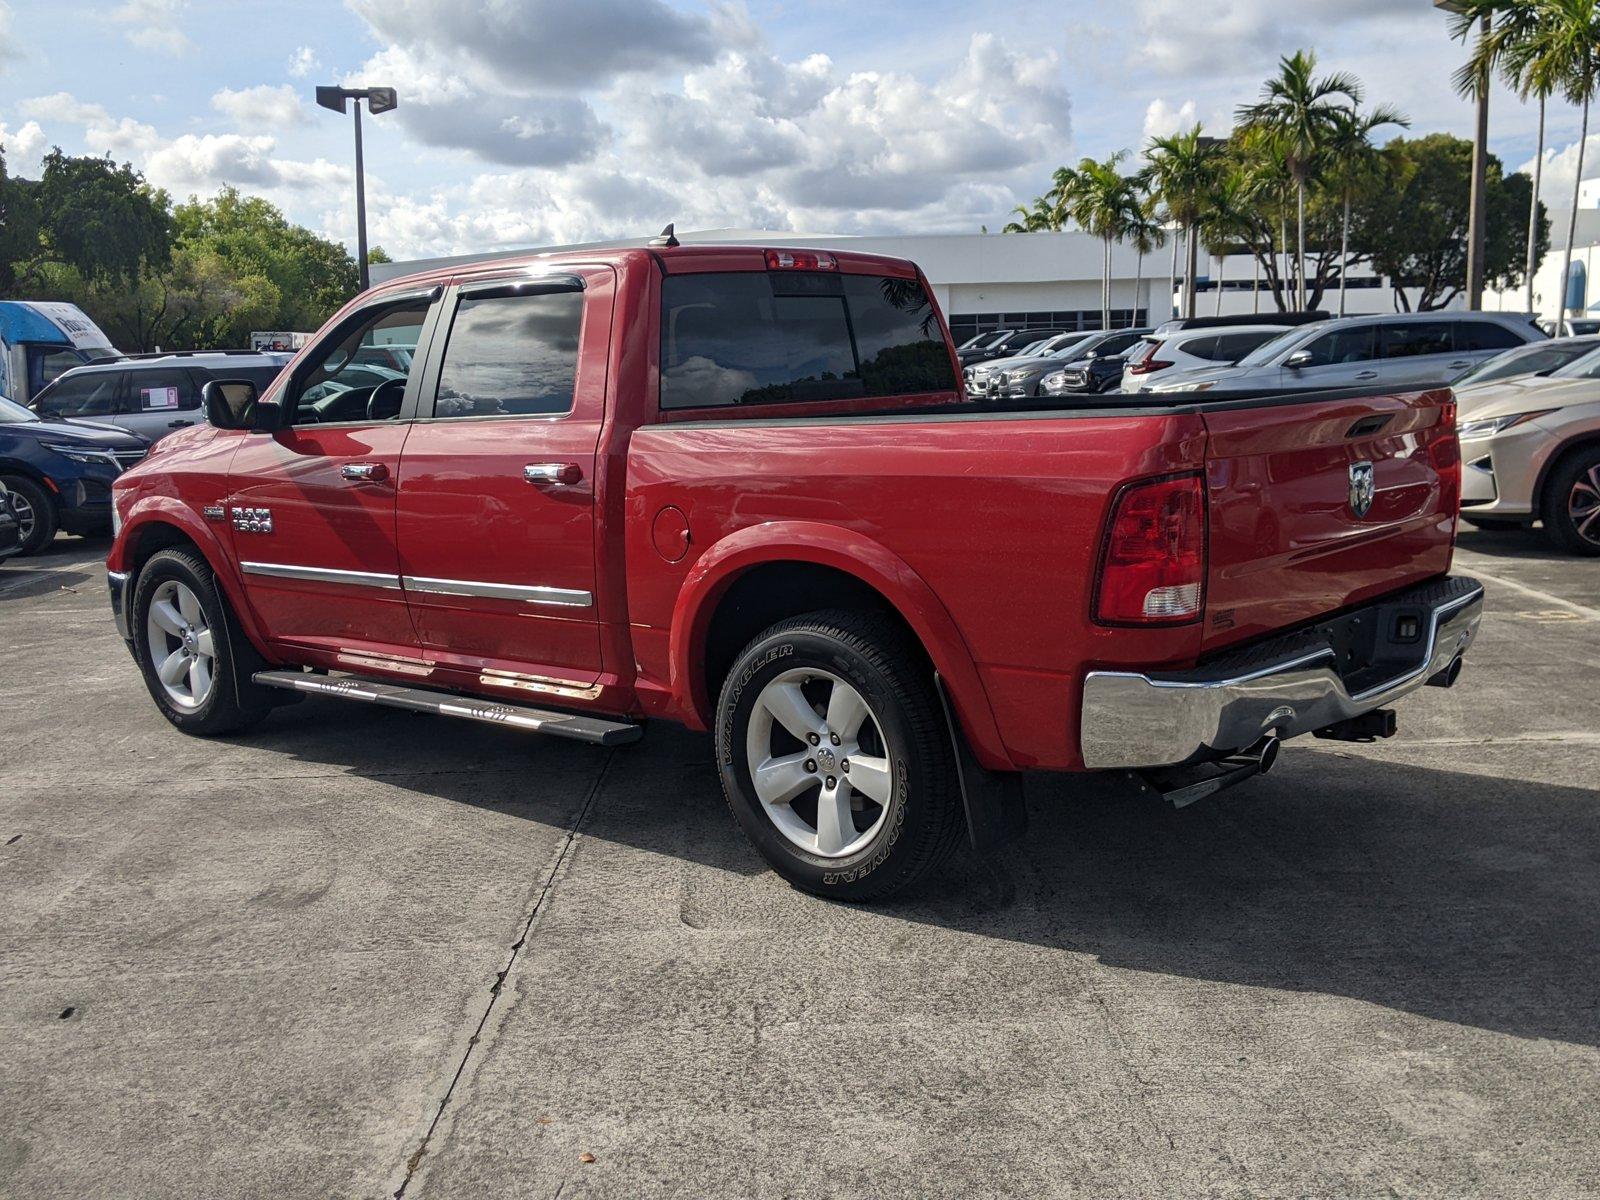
{"points": [[991, 801]]}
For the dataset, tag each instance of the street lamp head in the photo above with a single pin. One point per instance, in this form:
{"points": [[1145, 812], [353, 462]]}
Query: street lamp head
{"points": [[379, 99]]}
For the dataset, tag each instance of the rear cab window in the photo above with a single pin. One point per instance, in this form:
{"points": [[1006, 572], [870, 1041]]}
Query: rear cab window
{"points": [[732, 339]]}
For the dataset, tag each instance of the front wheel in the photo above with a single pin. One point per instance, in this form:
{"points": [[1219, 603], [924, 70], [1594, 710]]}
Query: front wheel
{"points": [[1572, 503], [835, 757], [195, 665]]}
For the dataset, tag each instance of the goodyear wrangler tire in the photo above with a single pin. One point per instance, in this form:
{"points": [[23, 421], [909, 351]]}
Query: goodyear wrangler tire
{"points": [[835, 757]]}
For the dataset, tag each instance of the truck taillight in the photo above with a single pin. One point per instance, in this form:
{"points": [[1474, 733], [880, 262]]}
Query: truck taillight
{"points": [[1147, 361], [800, 260], [1153, 565]]}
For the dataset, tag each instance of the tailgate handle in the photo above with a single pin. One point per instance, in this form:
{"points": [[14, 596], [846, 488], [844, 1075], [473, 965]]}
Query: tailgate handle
{"points": [[1367, 426]]}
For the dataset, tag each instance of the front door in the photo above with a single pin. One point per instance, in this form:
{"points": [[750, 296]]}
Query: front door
{"points": [[157, 401], [497, 482], [312, 506]]}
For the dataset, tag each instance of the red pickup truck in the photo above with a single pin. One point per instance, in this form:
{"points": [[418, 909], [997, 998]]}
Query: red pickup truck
{"points": [[742, 489]]}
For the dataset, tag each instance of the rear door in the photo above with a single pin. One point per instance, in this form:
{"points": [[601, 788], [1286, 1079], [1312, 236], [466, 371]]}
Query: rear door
{"points": [[1417, 353], [312, 506], [497, 484], [159, 400], [1319, 504]]}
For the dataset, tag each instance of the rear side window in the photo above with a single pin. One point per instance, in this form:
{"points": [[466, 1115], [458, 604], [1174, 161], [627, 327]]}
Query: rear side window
{"points": [[1485, 335], [1411, 339], [1353, 345], [1201, 347], [1231, 347], [759, 338], [166, 389], [511, 356]]}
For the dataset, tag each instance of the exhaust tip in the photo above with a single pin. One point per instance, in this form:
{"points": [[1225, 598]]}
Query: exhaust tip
{"points": [[1267, 752], [1448, 676]]}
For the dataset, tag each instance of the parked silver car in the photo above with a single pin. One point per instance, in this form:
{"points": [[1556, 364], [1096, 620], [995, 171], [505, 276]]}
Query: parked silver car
{"points": [[151, 394], [1406, 350], [987, 379], [1026, 376], [1530, 449], [1165, 356]]}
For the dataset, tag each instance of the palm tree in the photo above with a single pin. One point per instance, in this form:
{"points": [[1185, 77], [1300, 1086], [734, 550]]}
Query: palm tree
{"points": [[1146, 232], [1101, 201], [1510, 24], [1352, 161], [1226, 219], [1298, 111], [1560, 52], [1181, 169]]}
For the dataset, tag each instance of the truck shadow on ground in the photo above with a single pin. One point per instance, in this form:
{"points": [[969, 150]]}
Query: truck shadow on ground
{"points": [[1467, 898]]}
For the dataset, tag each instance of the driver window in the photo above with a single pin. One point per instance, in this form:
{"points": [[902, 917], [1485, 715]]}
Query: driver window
{"points": [[1342, 346], [362, 371]]}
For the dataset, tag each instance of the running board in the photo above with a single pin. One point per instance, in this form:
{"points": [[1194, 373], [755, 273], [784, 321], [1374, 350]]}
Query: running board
{"points": [[595, 730]]}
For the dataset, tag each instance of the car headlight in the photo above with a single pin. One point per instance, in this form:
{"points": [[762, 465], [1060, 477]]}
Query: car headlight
{"points": [[1054, 380], [1490, 426], [1016, 376], [80, 454], [1185, 387]]}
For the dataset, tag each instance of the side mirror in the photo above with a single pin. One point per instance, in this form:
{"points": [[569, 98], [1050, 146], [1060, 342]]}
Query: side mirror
{"points": [[1300, 358], [230, 403], [268, 417]]}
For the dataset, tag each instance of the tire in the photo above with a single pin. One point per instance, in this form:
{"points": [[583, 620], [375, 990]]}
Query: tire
{"points": [[35, 510], [1489, 525], [180, 585], [1572, 503], [908, 820]]}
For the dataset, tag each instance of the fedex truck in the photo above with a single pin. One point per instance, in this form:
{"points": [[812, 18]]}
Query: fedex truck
{"points": [[39, 339]]}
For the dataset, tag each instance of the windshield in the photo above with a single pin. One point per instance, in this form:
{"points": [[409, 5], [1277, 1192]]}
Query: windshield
{"points": [[1032, 348], [1541, 358], [12, 413], [1265, 352], [1070, 347]]}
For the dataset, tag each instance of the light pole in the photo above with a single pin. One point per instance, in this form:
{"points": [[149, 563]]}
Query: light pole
{"points": [[379, 100], [1480, 168]]}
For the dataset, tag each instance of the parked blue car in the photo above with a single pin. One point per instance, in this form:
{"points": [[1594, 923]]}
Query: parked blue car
{"points": [[59, 473]]}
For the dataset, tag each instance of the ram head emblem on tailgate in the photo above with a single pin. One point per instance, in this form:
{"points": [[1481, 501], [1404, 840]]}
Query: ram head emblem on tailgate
{"points": [[1362, 488]]}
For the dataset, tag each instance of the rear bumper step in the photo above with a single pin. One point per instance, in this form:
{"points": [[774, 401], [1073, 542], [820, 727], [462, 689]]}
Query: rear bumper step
{"points": [[595, 730]]}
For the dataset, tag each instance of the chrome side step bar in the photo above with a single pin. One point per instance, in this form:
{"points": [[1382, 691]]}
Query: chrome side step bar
{"points": [[596, 730]]}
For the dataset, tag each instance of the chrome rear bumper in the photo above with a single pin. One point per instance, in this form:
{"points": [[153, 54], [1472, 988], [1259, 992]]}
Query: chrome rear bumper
{"points": [[1289, 685]]}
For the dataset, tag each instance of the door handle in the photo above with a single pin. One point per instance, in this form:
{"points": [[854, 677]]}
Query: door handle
{"points": [[1366, 374], [553, 472], [179, 424], [1460, 365], [365, 472]]}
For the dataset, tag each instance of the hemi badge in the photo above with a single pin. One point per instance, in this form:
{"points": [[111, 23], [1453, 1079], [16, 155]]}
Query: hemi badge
{"points": [[215, 512]]}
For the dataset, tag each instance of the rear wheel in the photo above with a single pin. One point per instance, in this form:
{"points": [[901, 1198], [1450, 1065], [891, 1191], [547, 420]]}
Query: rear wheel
{"points": [[35, 513], [196, 665], [835, 757], [1572, 503]]}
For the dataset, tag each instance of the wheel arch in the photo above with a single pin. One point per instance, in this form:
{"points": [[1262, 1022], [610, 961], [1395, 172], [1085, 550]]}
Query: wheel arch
{"points": [[765, 573], [1588, 439], [160, 523]]}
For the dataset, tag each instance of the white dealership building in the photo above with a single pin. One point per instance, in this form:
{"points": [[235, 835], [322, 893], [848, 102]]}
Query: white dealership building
{"points": [[1005, 280]]}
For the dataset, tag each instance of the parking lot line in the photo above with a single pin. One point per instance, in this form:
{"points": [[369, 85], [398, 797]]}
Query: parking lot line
{"points": [[1582, 610]]}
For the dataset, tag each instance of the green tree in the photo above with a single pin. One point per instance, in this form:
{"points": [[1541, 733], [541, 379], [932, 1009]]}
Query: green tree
{"points": [[1414, 226], [1103, 201], [1500, 32], [1298, 112], [378, 255], [1353, 164], [19, 227], [1180, 176], [102, 220], [1561, 53]]}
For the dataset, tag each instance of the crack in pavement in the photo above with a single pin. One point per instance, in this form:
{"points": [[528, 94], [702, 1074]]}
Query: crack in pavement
{"points": [[414, 1162]]}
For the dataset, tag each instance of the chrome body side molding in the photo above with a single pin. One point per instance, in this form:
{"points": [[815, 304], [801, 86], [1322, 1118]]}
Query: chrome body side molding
{"points": [[528, 594], [321, 575]]}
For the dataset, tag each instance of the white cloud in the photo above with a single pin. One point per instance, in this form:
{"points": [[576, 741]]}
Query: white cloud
{"points": [[1182, 36], [155, 25], [199, 164], [261, 108], [1561, 168], [9, 49], [102, 133], [1162, 120], [24, 148], [303, 61]]}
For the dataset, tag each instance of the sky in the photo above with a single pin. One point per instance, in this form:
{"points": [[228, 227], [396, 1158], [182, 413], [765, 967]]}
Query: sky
{"points": [[533, 122]]}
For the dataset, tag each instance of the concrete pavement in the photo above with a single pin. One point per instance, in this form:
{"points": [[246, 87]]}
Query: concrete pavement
{"points": [[360, 952]]}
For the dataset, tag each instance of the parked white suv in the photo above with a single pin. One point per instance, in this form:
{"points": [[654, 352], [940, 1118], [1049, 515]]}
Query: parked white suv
{"points": [[1165, 355], [1413, 349]]}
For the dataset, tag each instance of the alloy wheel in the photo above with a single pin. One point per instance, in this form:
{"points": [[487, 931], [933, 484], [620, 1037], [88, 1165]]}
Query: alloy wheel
{"points": [[819, 762], [1583, 505], [180, 644], [25, 515]]}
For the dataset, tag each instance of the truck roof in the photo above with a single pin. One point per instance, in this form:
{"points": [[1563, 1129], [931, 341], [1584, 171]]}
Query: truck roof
{"points": [[672, 260]]}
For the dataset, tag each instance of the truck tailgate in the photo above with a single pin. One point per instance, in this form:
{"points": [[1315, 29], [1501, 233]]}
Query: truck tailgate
{"points": [[1317, 504]]}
